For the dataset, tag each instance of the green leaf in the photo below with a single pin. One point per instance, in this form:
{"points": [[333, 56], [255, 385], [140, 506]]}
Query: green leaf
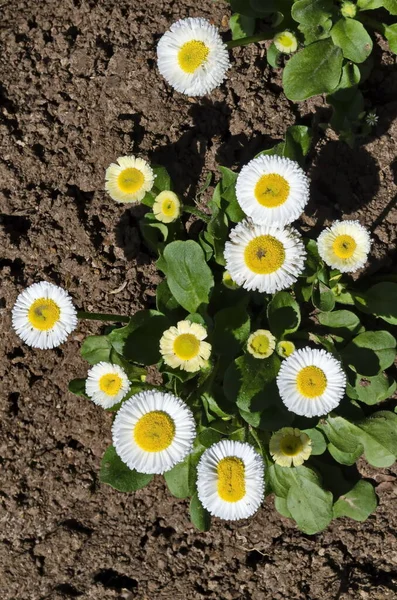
{"points": [[139, 341], [162, 180], [241, 26], [391, 36], [254, 375], [96, 348], [357, 504], [319, 444], [188, 276], [370, 352], [273, 56], [281, 507], [154, 233], [372, 390], [232, 328], [310, 506], [369, 4], [391, 6], [181, 479], [323, 297], [314, 70], [199, 516], [165, 301], [296, 145], [342, 322], [116, 474], [282, 478], [283, 313], [312, 12], [381, 300], [77, 386], [229, 201], [352, 37]]}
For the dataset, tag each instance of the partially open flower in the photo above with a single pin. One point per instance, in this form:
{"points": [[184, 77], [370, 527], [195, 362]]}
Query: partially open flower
{"points": [[228, 281], [285, 348], [230, 480], [348, 9], [285, 42], [192, 56], [183, 346], [153, 431], [289, 447], [261, 343], [344, 246], [129, 180], [166, 207], [43, 315]]}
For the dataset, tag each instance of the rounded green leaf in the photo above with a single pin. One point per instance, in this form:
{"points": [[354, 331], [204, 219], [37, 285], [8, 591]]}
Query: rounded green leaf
{"points": [[381, 300], [312, 12], [241, 26], [391, 36], [199, 516], [232, 328], [370, 352], [323, 297], [181, 479], [358, 503], [77, 386], [352, 37], [284, 315], [319, 444], [372, 390], [96, 348], [116, 474], [188, 275], [391, 6], [314, 70], [310, 506]]}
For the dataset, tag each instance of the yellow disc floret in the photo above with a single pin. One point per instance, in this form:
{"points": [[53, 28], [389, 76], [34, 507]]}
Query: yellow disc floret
{"points": [[186, 346], [285, 42], [130, 180], [192, 55], [154, 431], [231, 479], [110, 384], [272, 190], [311, 382], [44, 313], [264, 254], [344, 246], [291, 445]]}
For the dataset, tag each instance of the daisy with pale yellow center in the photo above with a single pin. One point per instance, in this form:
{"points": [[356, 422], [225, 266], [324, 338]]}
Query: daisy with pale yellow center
{"points": [[182, 347], [43, 315], [192, 56], [344, 246], [106, 384], [264, 258], [311, 382], [230, 480], [285, 42], [153, 431], [167, 207], [272, 190], [290, 447], [261, 343], [129, 179], [285, 348]]}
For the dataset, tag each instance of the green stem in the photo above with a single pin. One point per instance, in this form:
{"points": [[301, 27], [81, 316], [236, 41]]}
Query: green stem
{"points": [[102, 317], [372, 23], [193, 210], [252, 39]]}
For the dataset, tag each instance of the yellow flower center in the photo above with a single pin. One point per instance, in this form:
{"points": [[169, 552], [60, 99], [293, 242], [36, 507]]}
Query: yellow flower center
{"points": [[311, 382], [272, 190], [285, 348], [168, 207], [285, 40], [186, 346], [264, 254], [43, 314], [154, 431], [260, 344], [231, 479], [344, 246], [110, 384], [291, 445], [192, 55], [130, 180]]}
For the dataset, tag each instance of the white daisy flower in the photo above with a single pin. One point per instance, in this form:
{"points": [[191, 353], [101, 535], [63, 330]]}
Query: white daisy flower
{"points": [[311, 382], [261, 343], [344, 246], [192, 57], [129, 180], [183, 346], [153, 431], [43, 315], [230, 480], [290, 447], [264, 258], [285, 42], [106, 384], [166, 207], [272, 190]]}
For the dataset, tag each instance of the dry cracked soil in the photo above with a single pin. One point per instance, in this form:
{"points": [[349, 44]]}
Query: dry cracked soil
{"points": [[79, 87]]}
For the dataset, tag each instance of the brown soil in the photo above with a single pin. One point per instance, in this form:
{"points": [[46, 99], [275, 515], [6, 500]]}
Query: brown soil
{"points": [[79, 88]]}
